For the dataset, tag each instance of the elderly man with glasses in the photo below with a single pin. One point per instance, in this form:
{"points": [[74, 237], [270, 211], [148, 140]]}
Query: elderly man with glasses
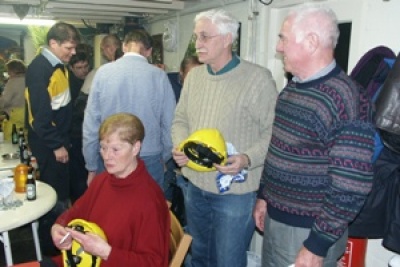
{"points": [[237, 98]]}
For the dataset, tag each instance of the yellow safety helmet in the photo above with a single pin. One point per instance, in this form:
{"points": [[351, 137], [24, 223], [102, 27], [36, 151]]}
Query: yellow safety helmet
{"points": [[76, 256], [204, 147]]}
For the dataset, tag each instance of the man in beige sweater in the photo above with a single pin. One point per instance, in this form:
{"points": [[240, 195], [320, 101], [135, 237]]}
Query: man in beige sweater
{"points": [[237, 98]]}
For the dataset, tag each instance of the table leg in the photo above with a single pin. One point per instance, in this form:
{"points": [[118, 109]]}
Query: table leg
{"points": [[35, 226], [7, 248]]}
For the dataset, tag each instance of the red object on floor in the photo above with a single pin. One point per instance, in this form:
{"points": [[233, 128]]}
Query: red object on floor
{"points": [[355, 253], [28, 264]]}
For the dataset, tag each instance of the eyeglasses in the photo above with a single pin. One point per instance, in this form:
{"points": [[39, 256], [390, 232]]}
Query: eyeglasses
{"points": [[204, 38]]}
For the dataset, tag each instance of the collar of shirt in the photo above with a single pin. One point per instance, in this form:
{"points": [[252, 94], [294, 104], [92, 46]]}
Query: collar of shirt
{"points": [[53, 59], [231, 65], [133, 54], [317, 75]]}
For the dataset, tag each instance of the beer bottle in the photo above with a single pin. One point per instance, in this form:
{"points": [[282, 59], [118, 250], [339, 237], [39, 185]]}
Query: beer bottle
{"points": [[14, 135], [30, 188]]}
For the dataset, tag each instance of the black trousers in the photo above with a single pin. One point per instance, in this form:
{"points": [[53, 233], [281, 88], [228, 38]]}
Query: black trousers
{"points": [[55, 174], [77, 170]]}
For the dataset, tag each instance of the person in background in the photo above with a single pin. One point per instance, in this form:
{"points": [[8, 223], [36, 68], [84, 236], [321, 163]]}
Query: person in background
{"points": [[237, 98], [111, 47], [318, 170], [136, 87], [124, 201], [187, 64], [49, 107], [79, 69], [13, 94], [111, 50]]}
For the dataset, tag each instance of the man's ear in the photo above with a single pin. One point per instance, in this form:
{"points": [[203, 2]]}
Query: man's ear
{"points": [[227, 40], [53, 43], [125, 47], [147, 52], [312, 42]]}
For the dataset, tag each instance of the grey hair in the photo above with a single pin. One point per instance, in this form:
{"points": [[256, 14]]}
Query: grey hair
{"points": [[319, 20], [224, 21]]}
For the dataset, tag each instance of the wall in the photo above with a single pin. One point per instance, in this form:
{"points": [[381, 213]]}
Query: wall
{"points": [[375, 22]]}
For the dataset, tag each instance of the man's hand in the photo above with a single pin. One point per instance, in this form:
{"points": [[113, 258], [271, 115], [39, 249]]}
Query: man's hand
{"points": [[306, 258], [61, 155], [259, 211], [234, 164], [180, 158]]}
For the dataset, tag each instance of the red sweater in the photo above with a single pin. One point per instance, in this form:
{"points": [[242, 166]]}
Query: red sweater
{"points": [[133, 214]]}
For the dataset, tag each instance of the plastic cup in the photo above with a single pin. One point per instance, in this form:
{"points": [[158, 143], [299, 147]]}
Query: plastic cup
{"points": [[20, 178]]}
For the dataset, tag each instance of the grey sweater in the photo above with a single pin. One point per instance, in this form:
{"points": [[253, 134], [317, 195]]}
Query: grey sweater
{"points": [[240, 104]]}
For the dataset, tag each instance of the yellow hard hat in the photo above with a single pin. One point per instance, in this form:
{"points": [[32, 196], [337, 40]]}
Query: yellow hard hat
{"points": [[204, 147], [76, 256]]}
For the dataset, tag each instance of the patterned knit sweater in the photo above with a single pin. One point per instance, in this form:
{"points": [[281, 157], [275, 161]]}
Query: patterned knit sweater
{"points": [[318, 169], [240, 103]]}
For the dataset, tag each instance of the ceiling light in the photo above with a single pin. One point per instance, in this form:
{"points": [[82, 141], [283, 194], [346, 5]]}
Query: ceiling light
{"points": [[37, 22]]}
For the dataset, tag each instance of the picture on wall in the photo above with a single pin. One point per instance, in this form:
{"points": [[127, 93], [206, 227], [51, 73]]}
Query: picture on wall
{"points": [[157, 56], [236, 44]]}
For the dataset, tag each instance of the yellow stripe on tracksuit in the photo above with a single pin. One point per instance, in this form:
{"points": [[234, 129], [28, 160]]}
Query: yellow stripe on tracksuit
{"points": [[58, 90]]}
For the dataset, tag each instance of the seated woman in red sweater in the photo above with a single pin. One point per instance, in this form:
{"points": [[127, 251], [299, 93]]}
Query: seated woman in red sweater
{"points": [[124, 201]]}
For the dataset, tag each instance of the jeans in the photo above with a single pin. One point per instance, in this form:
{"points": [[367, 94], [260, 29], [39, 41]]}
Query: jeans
{"points": [[155, 167], [221, 226]]}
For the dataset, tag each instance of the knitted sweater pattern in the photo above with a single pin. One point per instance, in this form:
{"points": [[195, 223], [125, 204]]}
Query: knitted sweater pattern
{"points": [[318, 169], [240, 104]]}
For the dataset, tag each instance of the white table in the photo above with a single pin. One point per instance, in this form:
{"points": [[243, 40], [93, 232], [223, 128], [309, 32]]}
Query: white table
{"points": [[29, 212], [7, 147]]}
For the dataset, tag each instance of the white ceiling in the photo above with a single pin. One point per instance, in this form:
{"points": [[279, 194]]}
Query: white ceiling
{"points": [[94, 11]]}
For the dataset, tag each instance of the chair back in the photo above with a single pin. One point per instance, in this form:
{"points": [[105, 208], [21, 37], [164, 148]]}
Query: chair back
{"points": [[179, 242]]}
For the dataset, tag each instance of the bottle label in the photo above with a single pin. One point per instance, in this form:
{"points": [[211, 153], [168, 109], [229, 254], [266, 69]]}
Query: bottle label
{"points": [[30, 191]]}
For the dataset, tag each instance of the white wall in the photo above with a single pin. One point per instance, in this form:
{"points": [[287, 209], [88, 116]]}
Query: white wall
{"points": [[375, 22]]}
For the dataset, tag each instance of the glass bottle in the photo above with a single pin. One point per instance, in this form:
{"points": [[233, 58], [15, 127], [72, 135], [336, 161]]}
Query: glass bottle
{"points": [[14, 135], [30, 188], [1, 133]]}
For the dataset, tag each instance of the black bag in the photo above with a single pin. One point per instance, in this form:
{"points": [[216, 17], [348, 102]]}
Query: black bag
{"points": [[387, 117], [371, 69], [380, 215]]}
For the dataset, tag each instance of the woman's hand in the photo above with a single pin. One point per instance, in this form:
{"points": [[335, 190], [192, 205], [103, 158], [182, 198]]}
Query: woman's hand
{"points": [[60, 238], [92, 243]]}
